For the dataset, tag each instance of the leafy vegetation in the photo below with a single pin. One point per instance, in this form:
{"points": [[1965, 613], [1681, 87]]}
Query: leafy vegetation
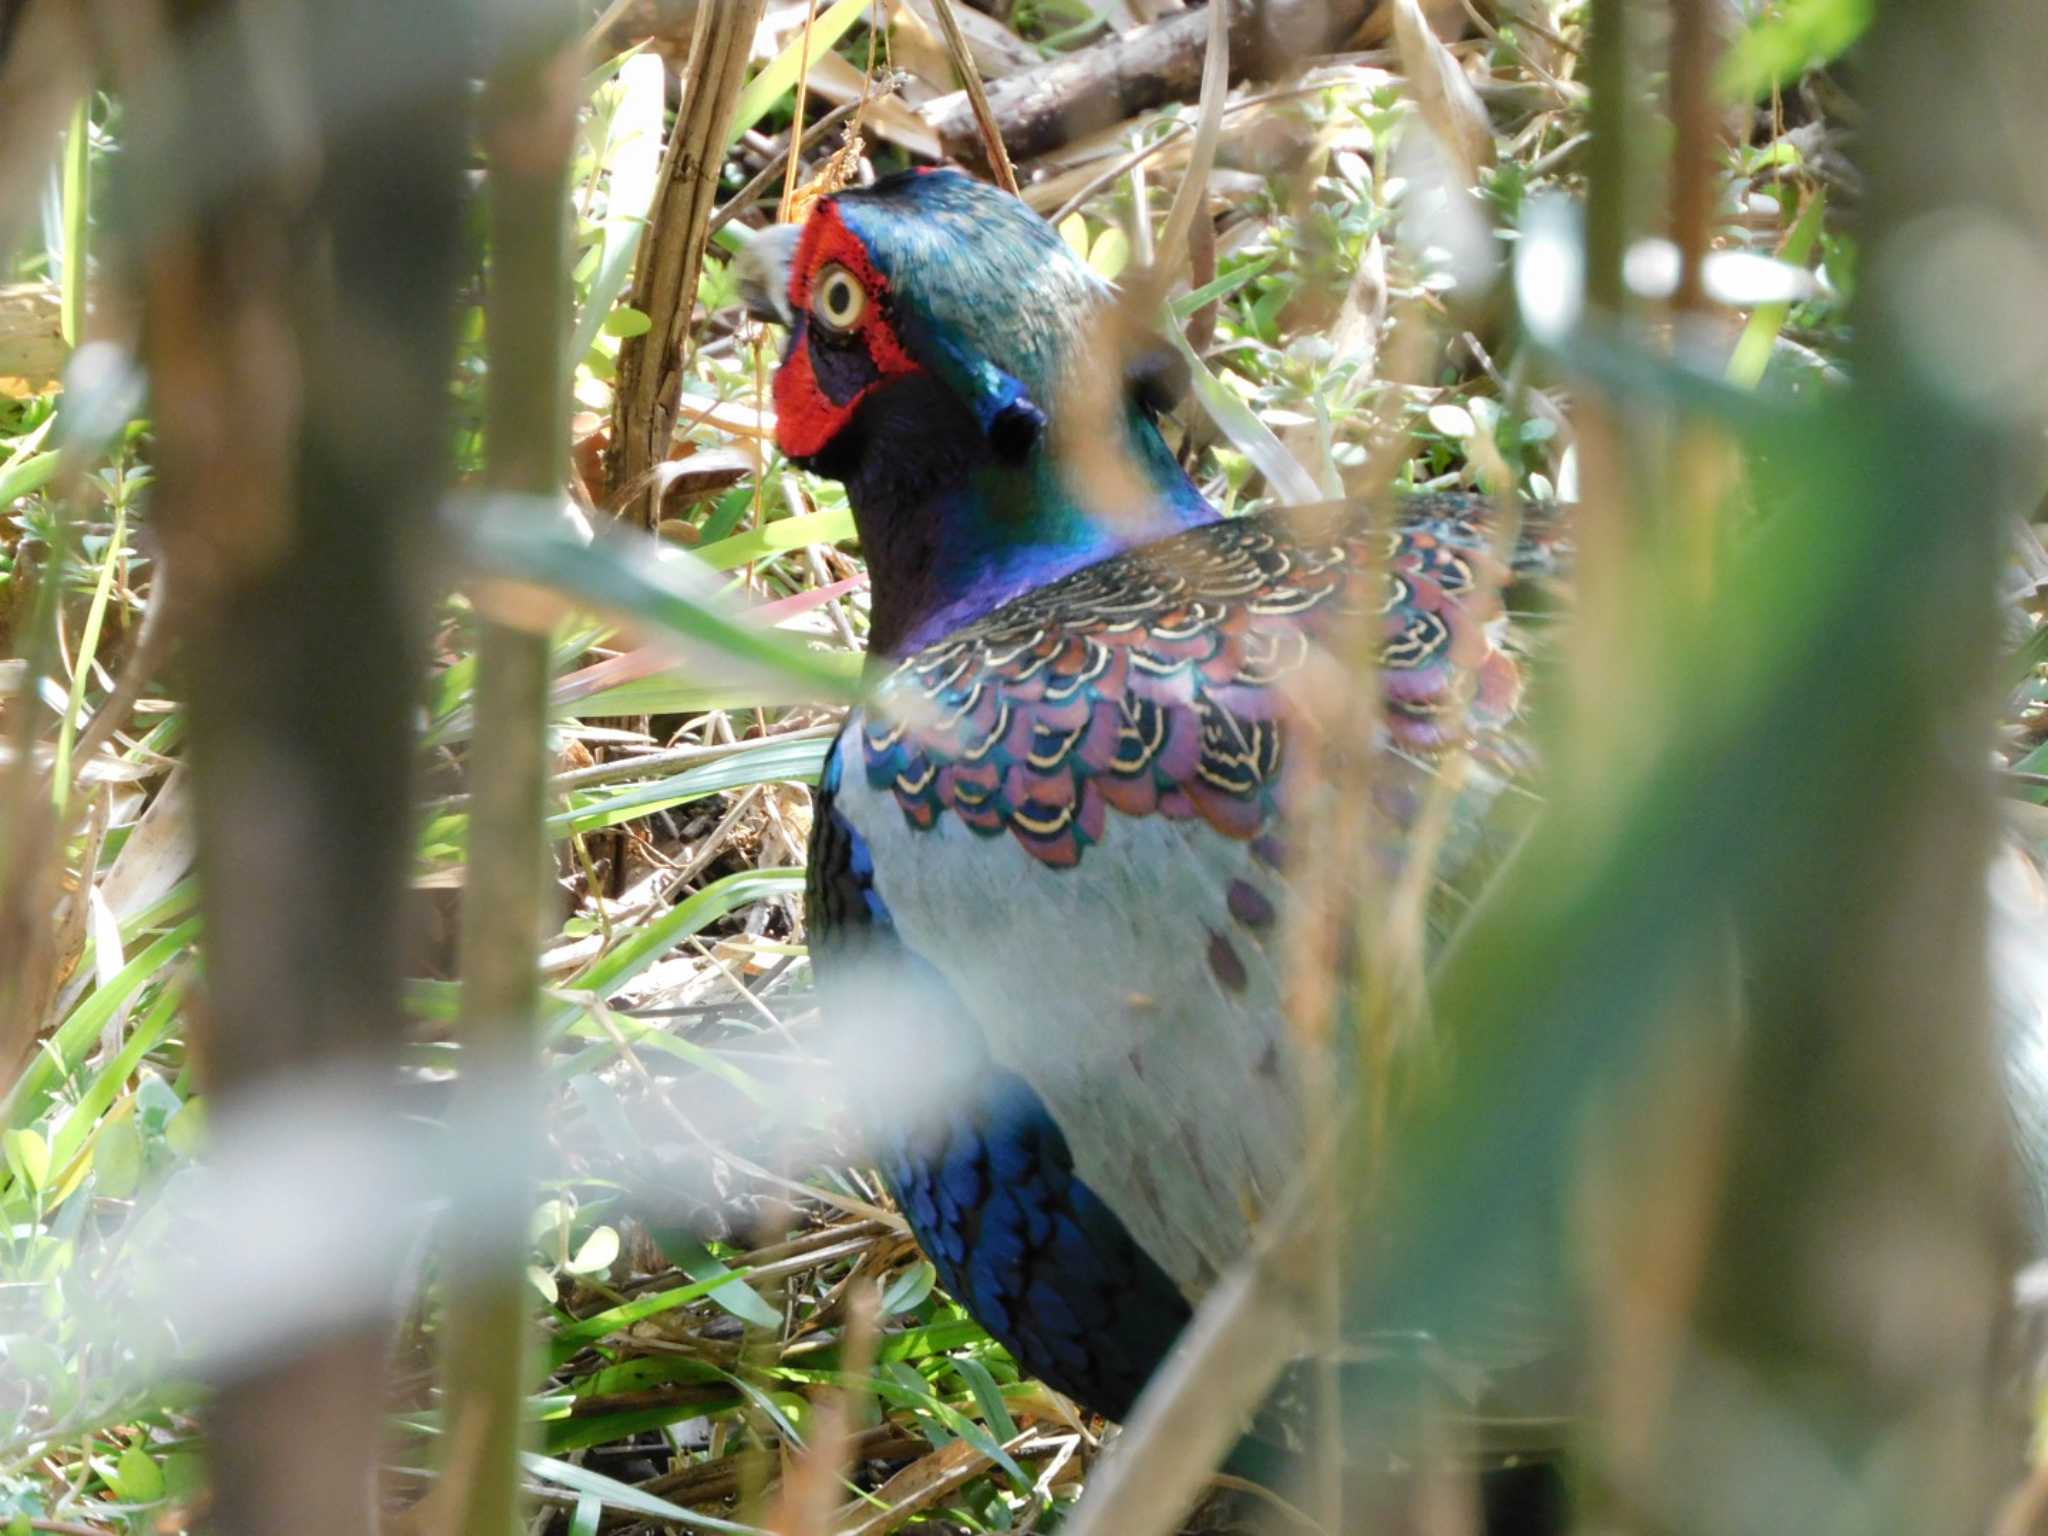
{"points": [[716, 1281]]}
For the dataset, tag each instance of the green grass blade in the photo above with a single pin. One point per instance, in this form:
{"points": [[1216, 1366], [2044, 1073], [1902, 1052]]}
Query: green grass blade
{"points": [[786, 534], [778, 77], [794, 762], [27, 477], [1251, 436], [526, 541], [62, 1052], [629, 958], [617, 1495], [1760, 336]]}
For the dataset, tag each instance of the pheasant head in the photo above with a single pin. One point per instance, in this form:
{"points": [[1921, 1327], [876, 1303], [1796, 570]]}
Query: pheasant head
{"points": [[935, 329]]}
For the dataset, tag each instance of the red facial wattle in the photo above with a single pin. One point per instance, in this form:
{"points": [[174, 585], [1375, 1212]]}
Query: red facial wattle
{"points": [[808, 415]]}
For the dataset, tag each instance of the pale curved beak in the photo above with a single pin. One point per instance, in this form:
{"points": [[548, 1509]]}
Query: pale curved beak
{"points": [[762, 267]]}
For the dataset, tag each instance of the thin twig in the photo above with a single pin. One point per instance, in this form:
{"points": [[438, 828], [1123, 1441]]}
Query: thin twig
{"points": [[1117, 171], [977, 98], [135, 672], [744, 199], [803, 90], [1187, 200], [608, 1020], [1174, 135], [1565, 93]]}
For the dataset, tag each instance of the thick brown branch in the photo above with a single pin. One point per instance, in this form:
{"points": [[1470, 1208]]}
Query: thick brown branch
{"points": [[1063, 100]]}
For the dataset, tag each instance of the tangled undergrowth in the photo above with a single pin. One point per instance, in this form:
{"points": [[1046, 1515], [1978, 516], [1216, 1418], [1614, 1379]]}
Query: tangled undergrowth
{"points": [[709, 1259]]}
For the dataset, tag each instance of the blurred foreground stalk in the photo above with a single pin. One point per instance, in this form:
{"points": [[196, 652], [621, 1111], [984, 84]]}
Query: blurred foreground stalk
{"points": [[1861, 1249], [530, 118], [1806, 1203], [1802, 1279], [299, 329]]}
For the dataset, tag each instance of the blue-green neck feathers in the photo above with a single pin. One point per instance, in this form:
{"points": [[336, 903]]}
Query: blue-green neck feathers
{"points": [[1003, 530], [961, 502]]}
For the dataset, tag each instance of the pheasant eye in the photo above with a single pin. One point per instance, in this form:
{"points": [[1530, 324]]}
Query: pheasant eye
{"points": [[837, 298]]}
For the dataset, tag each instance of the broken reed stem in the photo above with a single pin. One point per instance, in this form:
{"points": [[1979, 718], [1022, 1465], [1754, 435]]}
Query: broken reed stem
{"points": [[650, 369], [970, 79], [29, 834]]}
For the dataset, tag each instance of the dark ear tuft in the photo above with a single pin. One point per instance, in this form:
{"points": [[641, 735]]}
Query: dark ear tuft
{"points": [[1156, 375], [1015, 430]]}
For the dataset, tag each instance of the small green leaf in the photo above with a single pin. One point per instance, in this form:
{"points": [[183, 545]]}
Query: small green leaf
{"points": [[1452, 421], [1074, 230], [794, 1411], [156, 1101], [627, 321], [186, 1130], [913, 1391], [598, 1252], [571, 1337], [785, 533], [635, 952], [29, 1156], [64, 1050], [526, 540], [1222, 287], [1110, 253], [1752, 356], [732, 1293], [909, 1289], [931, 1339], [1780, 45], [546, 1225], [717, 286], [795, 762], [117, 1160], [618, 1495], [544, 1283], [137, 1478], [1252, 437]]}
